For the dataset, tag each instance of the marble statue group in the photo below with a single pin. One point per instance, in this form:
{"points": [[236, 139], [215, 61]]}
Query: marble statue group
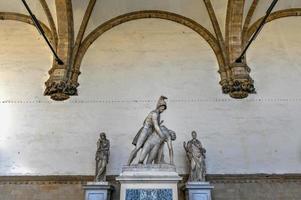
{"points": [[150, 144], [150, 140]]}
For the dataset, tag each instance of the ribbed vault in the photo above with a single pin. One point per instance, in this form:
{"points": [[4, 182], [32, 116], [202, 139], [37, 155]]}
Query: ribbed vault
{"points": [[226, 28]]}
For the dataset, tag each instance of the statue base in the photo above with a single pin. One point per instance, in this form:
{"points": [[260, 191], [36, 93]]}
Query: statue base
{"points": [[98, 191], [150, 182], [198, 190]]}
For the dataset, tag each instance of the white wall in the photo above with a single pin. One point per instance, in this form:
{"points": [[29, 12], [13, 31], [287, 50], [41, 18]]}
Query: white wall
{"points": [[123, 74]]}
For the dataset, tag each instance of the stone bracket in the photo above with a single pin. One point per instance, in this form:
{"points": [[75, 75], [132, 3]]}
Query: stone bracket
{"points": [[240, 84]]}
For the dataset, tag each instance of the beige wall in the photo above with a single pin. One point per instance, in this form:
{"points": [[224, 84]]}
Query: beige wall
{"points": [[123, 74]]}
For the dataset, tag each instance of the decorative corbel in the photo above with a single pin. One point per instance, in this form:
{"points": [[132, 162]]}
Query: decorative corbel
{"points": [[240, 83], [58, 86]]}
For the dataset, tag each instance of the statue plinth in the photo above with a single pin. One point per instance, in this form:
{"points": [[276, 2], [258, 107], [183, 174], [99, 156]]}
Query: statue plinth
{"points": [[198, 190], [149, 181], [98, 191]]}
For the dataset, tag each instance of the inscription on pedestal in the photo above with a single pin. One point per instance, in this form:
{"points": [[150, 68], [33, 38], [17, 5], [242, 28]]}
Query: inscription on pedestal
{"points": [[198, 191], [148, 194], [98, 191], [96, 196], [200, 196]]}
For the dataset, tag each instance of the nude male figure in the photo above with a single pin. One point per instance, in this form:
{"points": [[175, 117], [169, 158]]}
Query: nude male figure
{"points": [[151, 124], [153, 147]]}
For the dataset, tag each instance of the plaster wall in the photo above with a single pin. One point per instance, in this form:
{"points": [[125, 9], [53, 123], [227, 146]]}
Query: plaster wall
{"points": [[262, 7], [108, 9], [123, 74]]}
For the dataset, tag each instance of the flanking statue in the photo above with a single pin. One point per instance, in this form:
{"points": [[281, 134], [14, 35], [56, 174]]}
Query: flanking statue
{"points": [[152, 136], [196, 156], [100, 189], [102, 157]]}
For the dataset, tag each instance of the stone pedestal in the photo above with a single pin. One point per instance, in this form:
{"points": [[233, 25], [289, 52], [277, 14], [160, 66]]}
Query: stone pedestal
{"points": [[152, 182], [198, 190], [98, 191]]}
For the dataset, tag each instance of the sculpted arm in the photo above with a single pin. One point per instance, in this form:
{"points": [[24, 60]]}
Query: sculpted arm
{"points": [[189, 150], [185, 146], [170, 148], [200, 146], [97, 151], [108, 150]]}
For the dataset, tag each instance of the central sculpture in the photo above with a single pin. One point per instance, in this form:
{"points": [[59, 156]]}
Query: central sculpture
{"points": [[151, 138], [152, 178]]}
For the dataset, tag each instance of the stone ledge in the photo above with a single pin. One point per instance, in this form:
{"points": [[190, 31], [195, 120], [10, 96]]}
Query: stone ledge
{"points": [[213, 178]]}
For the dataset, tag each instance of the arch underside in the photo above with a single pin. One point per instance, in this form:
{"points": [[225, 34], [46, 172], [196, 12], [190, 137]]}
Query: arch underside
{"points": [[293, 12], [211, 40], [25, 19]]}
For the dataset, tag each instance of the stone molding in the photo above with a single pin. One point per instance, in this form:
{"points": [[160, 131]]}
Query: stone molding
{"points": [[116, 101], [254, 178], [248, 18], [26, 19], [212, 178], [50, 21]]}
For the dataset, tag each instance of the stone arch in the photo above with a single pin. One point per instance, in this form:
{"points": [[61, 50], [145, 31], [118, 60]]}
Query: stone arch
{"points": [[211, 40], [25, 19], [293, 12]]}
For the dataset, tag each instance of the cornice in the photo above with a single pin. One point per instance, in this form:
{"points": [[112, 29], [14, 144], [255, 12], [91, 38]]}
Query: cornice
{"points": [[213, 178]]}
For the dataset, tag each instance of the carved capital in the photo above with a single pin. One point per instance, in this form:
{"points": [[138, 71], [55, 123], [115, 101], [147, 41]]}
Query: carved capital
{"points": [[240, 89], [60, 90], [241, 84], [225, 86]]}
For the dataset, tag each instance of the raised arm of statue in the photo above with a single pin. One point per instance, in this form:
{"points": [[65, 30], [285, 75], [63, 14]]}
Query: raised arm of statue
{"points": [[156, 125]]}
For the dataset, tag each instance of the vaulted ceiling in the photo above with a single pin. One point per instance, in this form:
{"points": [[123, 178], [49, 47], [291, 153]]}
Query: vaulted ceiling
{"points": [[73, 25]]}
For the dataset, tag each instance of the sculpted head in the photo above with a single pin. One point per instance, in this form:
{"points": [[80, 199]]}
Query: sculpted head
{"points": [[173, 135], [102, 136], [169, 132], [162, 108], [193, 134], [161, 104]]}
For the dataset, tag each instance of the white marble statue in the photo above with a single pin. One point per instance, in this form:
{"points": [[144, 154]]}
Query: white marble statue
{"points": [[196, 156], [102, 157], [154, 146], [151, 125]]}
